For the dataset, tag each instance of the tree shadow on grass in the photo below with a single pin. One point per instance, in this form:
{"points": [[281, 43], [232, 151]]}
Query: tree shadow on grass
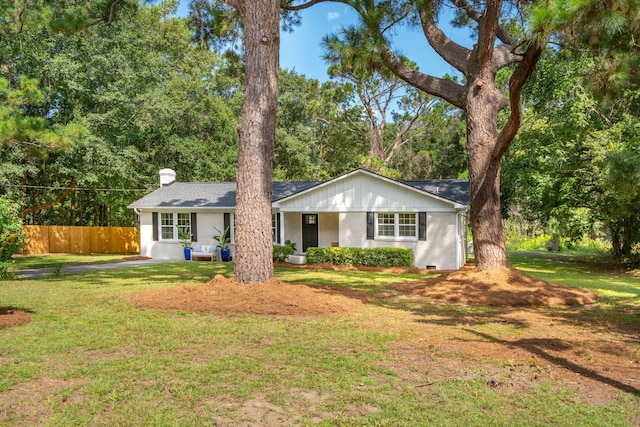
{"points": [[542, 347], [161, 274], [10, 309], [556, 351], [590, 321]]}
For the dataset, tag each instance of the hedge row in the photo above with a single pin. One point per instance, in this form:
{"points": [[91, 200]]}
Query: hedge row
{"points": [[376, 257]]}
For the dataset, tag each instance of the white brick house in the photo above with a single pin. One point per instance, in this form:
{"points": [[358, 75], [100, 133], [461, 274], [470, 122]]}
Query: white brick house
{"points": [[360, 209]]}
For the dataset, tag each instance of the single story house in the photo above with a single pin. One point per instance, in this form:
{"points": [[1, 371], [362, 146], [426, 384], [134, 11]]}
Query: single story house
{"points": [[359, 209]]}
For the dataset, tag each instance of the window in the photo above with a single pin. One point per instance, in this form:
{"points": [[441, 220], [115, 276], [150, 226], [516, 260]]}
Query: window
{"points": [[171, 222], [407, 225], [275, 229], [184, 221], [166, 226], [386, 225], [232, 228], [397, 225]]}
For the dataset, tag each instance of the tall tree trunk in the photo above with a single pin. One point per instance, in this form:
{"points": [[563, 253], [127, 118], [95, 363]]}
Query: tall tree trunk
{"points": [[254, 261], [616, 242], [376, 148], [483, 105], [628, 241]]}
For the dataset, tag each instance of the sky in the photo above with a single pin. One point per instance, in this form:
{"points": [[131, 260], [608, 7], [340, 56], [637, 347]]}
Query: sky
{"points": [[301, 50]]}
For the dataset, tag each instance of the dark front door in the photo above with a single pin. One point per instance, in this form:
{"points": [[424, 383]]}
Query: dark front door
{"points": [[309, 231]]}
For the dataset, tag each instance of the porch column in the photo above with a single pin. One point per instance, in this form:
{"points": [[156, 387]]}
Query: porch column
{"points": [[281, 228]]}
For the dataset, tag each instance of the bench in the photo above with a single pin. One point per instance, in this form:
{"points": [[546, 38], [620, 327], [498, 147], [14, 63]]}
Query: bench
{"points": [[297, 259], [204, 251]]}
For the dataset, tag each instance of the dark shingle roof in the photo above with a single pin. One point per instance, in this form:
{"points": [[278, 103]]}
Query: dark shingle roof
{"points": [[223, 194], [209, 194], [452, 189]]}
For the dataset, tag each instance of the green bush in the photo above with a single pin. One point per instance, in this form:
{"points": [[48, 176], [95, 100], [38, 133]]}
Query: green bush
{"points": [[280, 253], [13, 238], [5, 272], [374, 257]]}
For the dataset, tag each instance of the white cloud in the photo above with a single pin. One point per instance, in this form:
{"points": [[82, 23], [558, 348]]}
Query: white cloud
{"points": [[332, 15]]}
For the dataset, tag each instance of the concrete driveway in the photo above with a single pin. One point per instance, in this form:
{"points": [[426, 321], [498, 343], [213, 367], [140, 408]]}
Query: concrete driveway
{"points": [[83, 268]]}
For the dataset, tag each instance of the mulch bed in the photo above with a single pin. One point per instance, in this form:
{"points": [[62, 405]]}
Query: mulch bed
{"points": [[10, 317], [506, 287], [273, 297], [502, 287]]}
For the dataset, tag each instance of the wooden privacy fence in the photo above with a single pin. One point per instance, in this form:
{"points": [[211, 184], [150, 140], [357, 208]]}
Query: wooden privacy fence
{"points": [[55, 239]]}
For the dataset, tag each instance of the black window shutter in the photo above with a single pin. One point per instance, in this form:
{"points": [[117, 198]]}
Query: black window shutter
{"points": [[194, 227], [422, 226], [227, 222], [154, 220], [278, 225], [370, 225]]}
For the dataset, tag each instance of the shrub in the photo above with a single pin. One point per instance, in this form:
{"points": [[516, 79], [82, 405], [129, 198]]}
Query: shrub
{"points": [[280, 253], [375, 257], [13, 238], [5, 272]]}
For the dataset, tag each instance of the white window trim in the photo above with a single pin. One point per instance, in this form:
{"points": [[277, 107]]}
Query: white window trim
{"points": [[176, 235], [274, 229], [396, 227]]}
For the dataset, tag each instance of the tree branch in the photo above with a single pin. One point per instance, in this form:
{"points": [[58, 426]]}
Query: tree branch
{"points": [[398, 140], [516, 83], [236, 4], [487, 28], [287, 4], [442, 88], [503, 55], [58, 199], [109, 19], [476, 16], [456, 55], [112, 12]]}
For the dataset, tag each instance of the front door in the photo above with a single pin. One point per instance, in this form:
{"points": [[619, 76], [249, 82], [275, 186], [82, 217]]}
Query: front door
{"points": [[309, 231]]}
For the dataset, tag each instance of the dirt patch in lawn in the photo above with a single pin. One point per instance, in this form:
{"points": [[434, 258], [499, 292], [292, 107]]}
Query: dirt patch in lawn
{"points": [[10, 317], [274, 297], [25, 401], [502, 287]]}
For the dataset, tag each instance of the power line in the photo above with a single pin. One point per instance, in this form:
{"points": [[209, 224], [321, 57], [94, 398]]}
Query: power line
{"points": [[74, 188]]}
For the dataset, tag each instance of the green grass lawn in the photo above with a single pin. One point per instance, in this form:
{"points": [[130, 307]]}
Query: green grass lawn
{"points": [[614, 286], [91, 358]]}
